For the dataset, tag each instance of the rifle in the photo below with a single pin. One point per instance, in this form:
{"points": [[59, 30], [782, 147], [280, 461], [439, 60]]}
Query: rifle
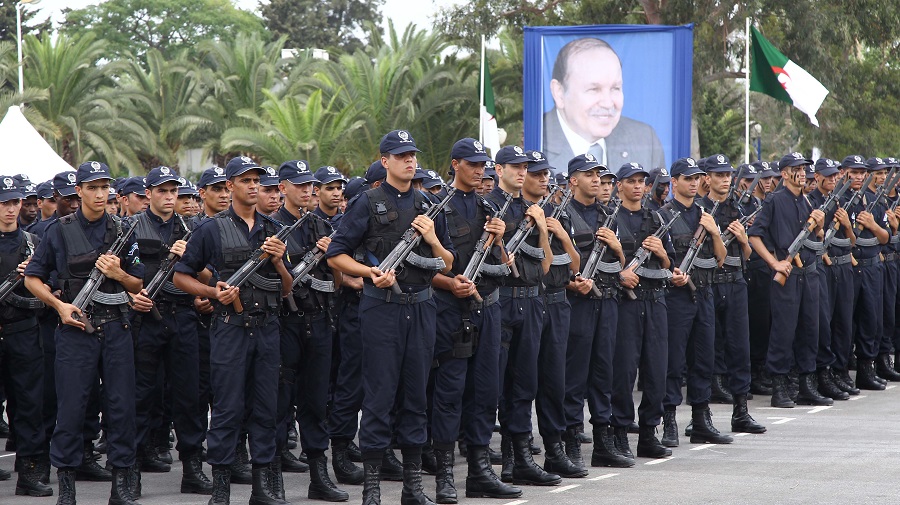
{"points": [[15, 279], [642, 255], [563, 203], [522, 231], [652, 193], [592, 265], [728, 237], [96, 278], [613, 196], [164, 273], [747, 193], [257, 260], [484, 244], [808, 227], [889, 182], [312, 258], [410, 239], [854, 200]]}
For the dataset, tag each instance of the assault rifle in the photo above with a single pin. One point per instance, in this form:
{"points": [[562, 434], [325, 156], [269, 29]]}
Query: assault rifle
{"points": [[15, 279], [482, 247], [853, 201], [164, 273], [728, 237], [522, 231], [642, 254], [592, 265], [312, 258]]}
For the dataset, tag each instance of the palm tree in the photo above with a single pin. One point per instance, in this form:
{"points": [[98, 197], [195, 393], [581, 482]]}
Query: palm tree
{"points": [[8, 85]]}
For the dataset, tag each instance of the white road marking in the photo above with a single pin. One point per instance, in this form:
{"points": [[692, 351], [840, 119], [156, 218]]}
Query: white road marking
{"points": [[704, 446], [8, 455], [658, 461], [565, 488], [819, 409], [892, 386], [781, 420], [517, 502], [857, 397], [741, 434], [604, 476]]}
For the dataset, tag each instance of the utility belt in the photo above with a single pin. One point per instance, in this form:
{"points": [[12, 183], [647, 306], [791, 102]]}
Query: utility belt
{"points": [[841, 260], [486, 300], [867, 262], [891, 256], [102, 314], [20, 325], [166, 304], [702, 277], [806, 269], [247, 320], [520, 291], [606, 292], [464, 341], [388, 295], [555, 296], [721, 276], [22, 302], [649, 294]]}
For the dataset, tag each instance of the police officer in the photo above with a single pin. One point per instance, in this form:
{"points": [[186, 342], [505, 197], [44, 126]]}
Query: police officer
{"points": [[793, 343], [836, 274], [691, 313], [244, 333], [399, 329], [169, 342], [661, 193], [112, 202], [269, 192], [29, 212], [522, 320], [72, 247], [759, 280], [187, 204], [883, 365], [729, 290], [592, 331], [46, 203], [642, 330], [22, 353], [307, 332], [488, 178], [214, 193], [132, 197], [467, 347]]}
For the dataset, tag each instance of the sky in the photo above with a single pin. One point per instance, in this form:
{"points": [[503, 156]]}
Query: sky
{"points": [[401, 12]]}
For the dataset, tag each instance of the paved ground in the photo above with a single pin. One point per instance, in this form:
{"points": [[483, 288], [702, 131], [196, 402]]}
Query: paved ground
{"points": [[841, 454]]}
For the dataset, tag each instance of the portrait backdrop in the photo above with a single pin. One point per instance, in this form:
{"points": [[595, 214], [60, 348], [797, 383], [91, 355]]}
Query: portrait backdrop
{"points": [[656, 84]]}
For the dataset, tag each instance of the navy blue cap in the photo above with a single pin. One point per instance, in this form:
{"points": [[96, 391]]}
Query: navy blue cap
{"points": [[328, 174], [22, 179], [584, 163], [64, 183], [686, 167], [210, 176], [826, 167], [355, 186], [112, 193], [875, 163], [490, 170], [27, 187], [664, 177], [375, 172], [91, 171], [9, 190], [562, 179], [160, 175], [397, 142], [186, 188], [132, 185], [511, 154], [296, 172], [469, 149], [537, 162], [718, 163], [854, 161], [240, 165], [433, 179], [892, 162], [794, 159], [764, 168], [629, 169], [269, 177], [44, 190], [419, 175]]}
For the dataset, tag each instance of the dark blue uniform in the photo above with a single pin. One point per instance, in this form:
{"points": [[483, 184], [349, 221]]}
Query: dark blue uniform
{"points": [[868, 278], [79, 354]]}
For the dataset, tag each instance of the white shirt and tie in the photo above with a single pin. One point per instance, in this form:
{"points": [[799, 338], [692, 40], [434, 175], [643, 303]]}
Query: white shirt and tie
{"points": [[581, 146]]}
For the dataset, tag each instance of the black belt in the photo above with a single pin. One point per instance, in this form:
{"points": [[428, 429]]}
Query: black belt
{"points": [[890, 257], [806, 269], [649, 294], [726, 277], [841, 260], [24, 324], [867, 262], [519, 291], [557, 296], [606, 292], [486, 300], [254, 320], [387, 295]]}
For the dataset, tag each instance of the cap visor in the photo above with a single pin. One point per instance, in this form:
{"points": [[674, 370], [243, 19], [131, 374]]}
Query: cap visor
{"points": [[405, 149], [94, 177], [244, 170], [303, 179], [12, 195], [66, 191], [478, 157], [164, 180]]}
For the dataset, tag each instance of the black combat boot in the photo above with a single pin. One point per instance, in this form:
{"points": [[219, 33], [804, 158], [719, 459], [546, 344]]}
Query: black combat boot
{"points": [[120, 494], [240, 468], [572, 445], [221, 480], [670, 429], [429, 460], [495, 457], [266, 486], [481, 481], [353, 452], [720, 393], [29, 483], [759, 385], [704, 432], [290, 463], [371, 494], [134, 481], [780, 396], [506, 453], [89, 469], [525, 470], [620, 438], [605, 452], [413, 493], [865, 376], [320, 485], [827, 386], [583, 437], [843, 381], [809, 392], [884, 368], [66, 477], [344, 470], [148, 456], [44, 464], [648, 445], [391, 468], [193, 480], [556, 461], [445, 487], [741, 422], [162, 441]]}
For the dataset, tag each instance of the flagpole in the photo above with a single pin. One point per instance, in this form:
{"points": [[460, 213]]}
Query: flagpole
{"points": [[481, 98], [747, 97]]}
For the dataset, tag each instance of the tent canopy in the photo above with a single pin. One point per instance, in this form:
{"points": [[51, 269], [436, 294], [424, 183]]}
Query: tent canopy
{"points": [[25, 151]]}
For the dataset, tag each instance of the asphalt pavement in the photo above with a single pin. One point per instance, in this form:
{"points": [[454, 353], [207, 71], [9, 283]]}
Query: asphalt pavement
{"points": [[823, 455]]}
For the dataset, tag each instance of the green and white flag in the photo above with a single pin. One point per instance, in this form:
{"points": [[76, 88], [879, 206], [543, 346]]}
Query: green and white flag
{"points": [[489, 133], [774, 74]]}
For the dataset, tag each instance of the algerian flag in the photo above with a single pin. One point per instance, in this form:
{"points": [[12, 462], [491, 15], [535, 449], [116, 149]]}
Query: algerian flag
{"points": [[774, 74], [489, 134]]}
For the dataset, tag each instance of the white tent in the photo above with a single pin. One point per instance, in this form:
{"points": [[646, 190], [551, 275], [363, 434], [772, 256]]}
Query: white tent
{"points": [[25, 151]]}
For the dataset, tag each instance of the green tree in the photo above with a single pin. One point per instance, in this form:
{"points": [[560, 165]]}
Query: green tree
{"points": [[9, 89], [135, 26], [8, 21], [322, 24]]}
